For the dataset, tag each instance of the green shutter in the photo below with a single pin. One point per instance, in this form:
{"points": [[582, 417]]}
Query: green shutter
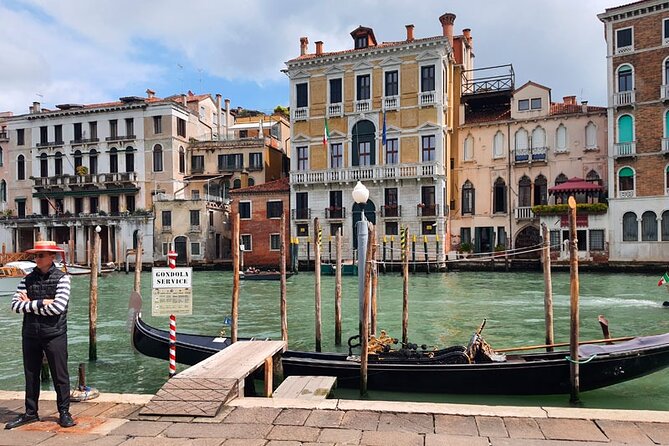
{"points": [[626, 172], [666, 119], [625, 129]]}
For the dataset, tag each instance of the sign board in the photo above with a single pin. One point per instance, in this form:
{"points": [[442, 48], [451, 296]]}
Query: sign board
{"points": [[172, 291]]}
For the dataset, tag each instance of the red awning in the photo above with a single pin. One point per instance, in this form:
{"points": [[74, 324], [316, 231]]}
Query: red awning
{"points": [[575, 185]]}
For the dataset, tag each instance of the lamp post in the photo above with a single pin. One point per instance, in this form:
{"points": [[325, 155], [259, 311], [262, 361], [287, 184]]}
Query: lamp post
{"points": [[360, 195]]}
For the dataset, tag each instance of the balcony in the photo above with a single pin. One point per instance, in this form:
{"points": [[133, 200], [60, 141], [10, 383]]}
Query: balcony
{"points": [[665, 146], [335, 213], [120, 138], [335, 110], [301, 114], [194, 229], [524, 213], [624, 98], [391, 211], [530, 155], [427, 210], [167, 229], [626, 194], [80, 141], [363, 106], [391, 103], [301, 214], [427, 98], [229, 168], [664, 92], [50, 144], [368, 173], [624, 49], [255, 167], [4, 136], [623, 149], [488, 80]]}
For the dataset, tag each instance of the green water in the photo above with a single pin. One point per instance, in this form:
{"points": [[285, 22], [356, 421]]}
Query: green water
{"points": [[444, 309]]}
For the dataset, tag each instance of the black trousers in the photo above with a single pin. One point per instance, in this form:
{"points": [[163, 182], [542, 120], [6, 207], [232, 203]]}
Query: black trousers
{"points": [[56, 354]]}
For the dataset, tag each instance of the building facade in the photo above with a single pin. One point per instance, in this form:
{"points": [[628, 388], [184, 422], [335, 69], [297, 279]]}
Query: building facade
{"points": [[637, 42], [381, 113], [4, 167]]}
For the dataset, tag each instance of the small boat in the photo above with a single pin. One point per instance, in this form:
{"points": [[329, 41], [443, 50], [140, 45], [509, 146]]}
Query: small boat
{"points": [[347, 269], [448, 370], [256, 274], [11, 275], [81, 270]]}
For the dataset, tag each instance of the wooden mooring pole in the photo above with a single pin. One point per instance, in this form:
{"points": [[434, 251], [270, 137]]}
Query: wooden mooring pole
{"points": [[364, 335], [338, 288], [138, 263], [317, 282], [405, 287], [573, 282], [282, 268], [548, 287], [235, 277], [93, 298], [375, 283]]}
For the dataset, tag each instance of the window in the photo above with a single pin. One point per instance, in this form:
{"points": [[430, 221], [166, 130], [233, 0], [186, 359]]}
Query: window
{"points": [[233, 161], [665, 31], [363, 83], [596, 238], [93, 130], [197, 163], [591, 136], [182, 160], [524, 192], [94, 203], [181, 127], [365, 153], [58, 164], [540, 190], [130, 203], [392, 228], [3, 191], [302, 95], [626, 179], [245, 209], [522, 140], [274, 242], [243, 133], [302, 205], [113, 128], [274, 209], [93, 162], [157, 158], [562, 178], [44, 206], [501, 236], [251, 182], [78, 205], [561, 138], [157, 124], [392, 83], [593, 177], [428, 148], [129, 160], [255, 160], [427, 78], [44, 135], [237, 183], [630, 227], [20, 137], [113, 160], [211, 218], [78, 160], [625, 129], [624, 40], [302, 158], [498, 145], [195, 194], [246, 242], [43, 166], [538, 138], [1, 157], [555, 240], [58, 134], [390, 198], [468, 198], [428, 227], [336, 156], [535, 103], [334, 228], [195, 248], [21, 167], [625, 78], [392, 151], [194, 217], [665, 226], [77, 131], [167, 218], [468, 149], [523, 104], [361, 42], [465, 235], [129, 126], [649, 226], [499, 196], [335, 91]]}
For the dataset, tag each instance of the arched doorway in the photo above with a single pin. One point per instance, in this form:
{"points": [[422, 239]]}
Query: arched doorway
{"points": [[527, 237], [356, 212], [180, 244]]}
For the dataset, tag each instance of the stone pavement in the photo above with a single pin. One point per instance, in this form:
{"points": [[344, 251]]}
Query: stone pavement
{"points": [[113, 419]]}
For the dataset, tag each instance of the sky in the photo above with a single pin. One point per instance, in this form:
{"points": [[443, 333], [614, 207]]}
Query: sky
{"points": [[83, 51]]}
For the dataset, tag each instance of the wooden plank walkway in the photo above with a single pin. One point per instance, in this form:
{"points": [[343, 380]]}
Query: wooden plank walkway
{"points": [[202, 389], [306, 387]]}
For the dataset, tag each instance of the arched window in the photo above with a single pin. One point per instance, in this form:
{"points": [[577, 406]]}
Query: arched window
{"points": [[469, 148], [525, 192], [666, 180], [157, 158], [78, 160], [1, 157], [182, 160], [666, 125], [129, 160], [540, 190], [562, 178], [521, 142], [43, 165], [93, 161], [593, 177], [625, 129], [649, 226], [252, 182], [499, 196], [3, 191], [468, 196], [665, 72], [591, 136], [630, 227], [538, 137], [626, 182], [665, 226], [58, 163], [498, 145], [625, 78], [21, 167], [113, 160], [236, 184], [561, 138]]}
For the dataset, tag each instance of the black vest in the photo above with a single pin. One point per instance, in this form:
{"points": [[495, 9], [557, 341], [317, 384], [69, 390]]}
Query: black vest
{"points": [[43, 286]]}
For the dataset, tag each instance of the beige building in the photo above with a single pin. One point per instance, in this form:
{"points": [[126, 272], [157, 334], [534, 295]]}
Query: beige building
{"points": [[4, 167]]}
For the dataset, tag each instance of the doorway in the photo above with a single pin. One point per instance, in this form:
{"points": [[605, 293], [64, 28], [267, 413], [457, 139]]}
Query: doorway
{"points": [[180, 244]]}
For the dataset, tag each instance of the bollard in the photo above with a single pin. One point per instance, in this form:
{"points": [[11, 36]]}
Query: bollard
{"points": [[427, 259], [384, 254], [413, 253]]}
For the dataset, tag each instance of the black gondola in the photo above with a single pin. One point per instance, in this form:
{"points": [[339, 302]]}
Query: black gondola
{"points": [[262, 275], [443, 371]]}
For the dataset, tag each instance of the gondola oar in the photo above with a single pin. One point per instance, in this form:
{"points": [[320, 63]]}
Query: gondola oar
{"points": [[561, 344]]}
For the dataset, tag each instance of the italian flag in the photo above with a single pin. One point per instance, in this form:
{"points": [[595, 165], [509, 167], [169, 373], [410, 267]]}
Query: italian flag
{"points": [[326, 133], [663, 280]]}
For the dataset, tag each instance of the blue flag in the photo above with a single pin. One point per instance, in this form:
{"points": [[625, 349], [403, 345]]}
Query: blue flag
{"points": [[383, 138]]}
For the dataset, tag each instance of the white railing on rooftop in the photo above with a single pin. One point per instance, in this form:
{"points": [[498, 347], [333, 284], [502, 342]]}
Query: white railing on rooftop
{"points": [[363, 173]]}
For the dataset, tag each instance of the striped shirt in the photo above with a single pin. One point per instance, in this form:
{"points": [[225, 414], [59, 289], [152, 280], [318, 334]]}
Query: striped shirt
{"points": [[58, 306]]}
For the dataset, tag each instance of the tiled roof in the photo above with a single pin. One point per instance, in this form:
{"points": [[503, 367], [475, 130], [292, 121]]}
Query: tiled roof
{"points": [[560, 108], [281, 185]]}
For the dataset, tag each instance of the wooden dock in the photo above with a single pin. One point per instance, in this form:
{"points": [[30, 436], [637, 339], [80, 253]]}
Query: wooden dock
{"points": [[306, 387], [202, 389]]}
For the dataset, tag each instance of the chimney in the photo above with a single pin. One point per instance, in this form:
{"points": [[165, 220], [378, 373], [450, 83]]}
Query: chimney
{"points": [[184, 101], [319, 47], [150, 93], [409, 33], [467, 33], [36, 107], [569, 100], [303, 45], [218, 116], [584, 106], [447, 21], [227, 118]]}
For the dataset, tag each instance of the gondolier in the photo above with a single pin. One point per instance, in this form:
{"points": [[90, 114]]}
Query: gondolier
{"points": [[42, 297]]}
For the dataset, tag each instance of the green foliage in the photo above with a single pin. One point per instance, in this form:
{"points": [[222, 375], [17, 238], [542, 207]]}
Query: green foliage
{"points": [[281, 110], [499, 248], [466, 247], [560, 209]]}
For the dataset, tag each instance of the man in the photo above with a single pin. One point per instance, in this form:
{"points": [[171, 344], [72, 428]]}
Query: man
{"points": [[42, 297]]}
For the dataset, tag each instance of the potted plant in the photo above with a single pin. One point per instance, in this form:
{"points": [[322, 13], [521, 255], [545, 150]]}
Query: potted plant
{"points": [[465, 249], [499, 250]]}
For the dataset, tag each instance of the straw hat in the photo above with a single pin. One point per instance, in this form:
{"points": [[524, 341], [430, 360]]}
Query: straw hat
{"points": [[45, 246]]}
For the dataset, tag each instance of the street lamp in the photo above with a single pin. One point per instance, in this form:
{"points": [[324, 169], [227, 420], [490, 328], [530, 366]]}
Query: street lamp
{"points": [[360, 195]]}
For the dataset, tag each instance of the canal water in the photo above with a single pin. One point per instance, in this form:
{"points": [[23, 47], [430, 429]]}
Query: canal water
{"points": [[445, 309]]}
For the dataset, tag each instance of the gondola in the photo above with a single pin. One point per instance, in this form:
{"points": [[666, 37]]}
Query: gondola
{"points": [[253, 274], [447, 370]]}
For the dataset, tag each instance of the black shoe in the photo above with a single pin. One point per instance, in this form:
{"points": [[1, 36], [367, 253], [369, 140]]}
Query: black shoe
{"points": [[65, 420], [21, 420]]}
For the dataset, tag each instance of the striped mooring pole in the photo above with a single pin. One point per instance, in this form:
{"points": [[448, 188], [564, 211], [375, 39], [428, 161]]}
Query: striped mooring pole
{"points": [[173, 345]]}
